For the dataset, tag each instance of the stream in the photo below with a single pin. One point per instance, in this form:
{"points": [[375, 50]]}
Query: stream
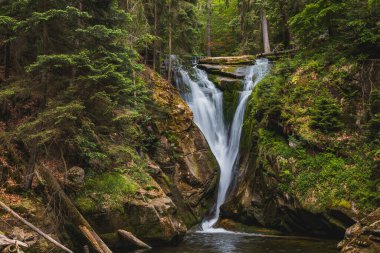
{"points": [[247, 243]]}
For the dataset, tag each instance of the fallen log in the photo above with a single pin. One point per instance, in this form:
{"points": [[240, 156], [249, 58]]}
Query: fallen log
{"points": [[129, 237], [229, 60], [17, 216], [277, 54], [73, 213], [5, 241]]}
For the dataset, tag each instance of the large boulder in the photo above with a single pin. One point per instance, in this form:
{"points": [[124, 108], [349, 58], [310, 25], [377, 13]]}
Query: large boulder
{"points": [[231, 71], [189, 169], [363, 236]]}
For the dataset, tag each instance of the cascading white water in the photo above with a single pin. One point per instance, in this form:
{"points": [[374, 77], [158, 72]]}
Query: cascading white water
{"points": [[206, 102]]}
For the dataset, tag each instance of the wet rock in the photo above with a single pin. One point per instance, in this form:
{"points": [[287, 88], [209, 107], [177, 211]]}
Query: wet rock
{"points": [[363, 236], [149, 216], [228, 84], [256, 199], [183, 174], [233, 71]]}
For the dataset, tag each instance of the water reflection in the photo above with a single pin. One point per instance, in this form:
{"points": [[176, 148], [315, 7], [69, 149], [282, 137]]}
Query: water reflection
{"points": [[243, 243]]}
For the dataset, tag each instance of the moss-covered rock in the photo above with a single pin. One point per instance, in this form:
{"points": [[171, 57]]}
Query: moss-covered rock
{"points": [[229, 60], [296, 174], [229, 71], [189, 170]]}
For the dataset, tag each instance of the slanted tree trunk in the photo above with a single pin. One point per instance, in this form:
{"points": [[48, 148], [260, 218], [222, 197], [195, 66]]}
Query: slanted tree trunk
{"points": [[208, 28], [170, 43], [47, 237], [264, 27], [72, 212], [129, 237]]}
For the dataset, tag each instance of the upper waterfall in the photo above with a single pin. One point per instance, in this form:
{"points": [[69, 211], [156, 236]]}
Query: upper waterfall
{"points": [[206, 102]]}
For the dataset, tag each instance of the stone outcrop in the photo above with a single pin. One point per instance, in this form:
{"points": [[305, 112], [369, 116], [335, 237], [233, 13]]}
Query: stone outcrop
{"points": [[231, 71], [182, 178], [184, 156], [228, 60], [363, 236]]}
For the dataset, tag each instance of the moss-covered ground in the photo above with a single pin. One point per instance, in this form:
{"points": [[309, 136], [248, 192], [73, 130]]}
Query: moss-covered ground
{"points": [[313, 129]]}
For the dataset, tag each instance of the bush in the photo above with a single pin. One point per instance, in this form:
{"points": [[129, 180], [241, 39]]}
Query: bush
{"points": [[326, 115]]}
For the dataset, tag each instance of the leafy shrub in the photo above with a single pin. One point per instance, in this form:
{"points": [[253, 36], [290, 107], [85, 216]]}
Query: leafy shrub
{"points": [[326, 115]]}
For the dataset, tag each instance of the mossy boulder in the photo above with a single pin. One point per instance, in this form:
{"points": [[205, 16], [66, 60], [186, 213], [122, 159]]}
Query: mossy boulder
{"points": [[230, 103], [230, 71], [226, 83], [304, 167]]}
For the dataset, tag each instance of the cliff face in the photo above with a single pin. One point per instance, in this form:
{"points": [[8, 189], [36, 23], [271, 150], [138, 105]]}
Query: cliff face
{"points": [[183, 153], [182, 176], [308, 160], [156, 190]]}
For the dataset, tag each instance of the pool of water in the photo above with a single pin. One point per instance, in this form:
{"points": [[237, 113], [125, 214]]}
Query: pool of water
{"points": [[247, 243]]}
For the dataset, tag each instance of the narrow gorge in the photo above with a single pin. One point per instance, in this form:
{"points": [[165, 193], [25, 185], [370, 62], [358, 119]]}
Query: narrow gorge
{"points": [[206, 102], [197, 126]]}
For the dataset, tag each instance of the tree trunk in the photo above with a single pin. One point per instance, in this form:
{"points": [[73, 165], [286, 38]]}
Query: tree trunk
{"points": [[264, 27], [7, 60], [155, 35], [45, 51], [285, 19], [208, 28], [170, 43], [29, 175]]}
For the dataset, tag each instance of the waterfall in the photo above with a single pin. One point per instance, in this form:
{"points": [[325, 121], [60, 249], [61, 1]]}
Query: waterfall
{"points": [[206, 102]]}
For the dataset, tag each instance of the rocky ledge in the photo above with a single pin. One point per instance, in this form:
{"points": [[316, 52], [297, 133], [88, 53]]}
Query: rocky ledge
{"points": [[363, 236]]}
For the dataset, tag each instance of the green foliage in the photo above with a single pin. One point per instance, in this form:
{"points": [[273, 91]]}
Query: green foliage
{"points": [[330, 179], [75, 86], [374, 101], [352, 24], [224, 27], [373, 127], [295, 125], [52, 125], [326, 115], [109, 189]]}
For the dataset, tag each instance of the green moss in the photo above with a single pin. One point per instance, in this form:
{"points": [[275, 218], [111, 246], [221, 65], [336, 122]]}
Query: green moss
{"points": [[230, 102], [109, 189], [326, 115], [111, 183], [86, 204], [329, 164], [110, 238], [342, 203]]}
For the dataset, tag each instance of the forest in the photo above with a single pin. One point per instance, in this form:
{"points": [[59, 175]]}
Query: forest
{"points": [[119, 120]]}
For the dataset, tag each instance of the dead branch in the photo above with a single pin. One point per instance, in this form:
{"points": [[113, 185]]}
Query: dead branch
{"points": [[9, 210], [73, 214], [132, 239]]}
